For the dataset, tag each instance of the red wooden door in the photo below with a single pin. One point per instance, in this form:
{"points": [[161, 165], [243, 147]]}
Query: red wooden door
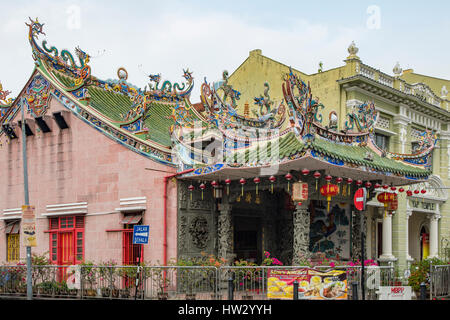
{"points": [[66, 252]]}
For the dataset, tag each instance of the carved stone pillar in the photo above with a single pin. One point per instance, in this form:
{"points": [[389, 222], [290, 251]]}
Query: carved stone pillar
{"points": [[301, 222], [225, 232], [359, 224]]}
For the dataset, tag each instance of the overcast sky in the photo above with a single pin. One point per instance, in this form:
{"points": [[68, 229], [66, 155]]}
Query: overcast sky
{"points": [[148, 37]]}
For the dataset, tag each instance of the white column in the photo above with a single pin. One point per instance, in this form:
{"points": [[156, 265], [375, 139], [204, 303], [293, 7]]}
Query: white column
{"points": [[387, 238], [408, 214], [434, 219]]}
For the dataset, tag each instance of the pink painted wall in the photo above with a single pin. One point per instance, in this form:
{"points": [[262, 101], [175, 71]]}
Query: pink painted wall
{"points": [[81, 164]]}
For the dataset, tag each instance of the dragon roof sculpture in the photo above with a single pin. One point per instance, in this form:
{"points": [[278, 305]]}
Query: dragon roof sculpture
{"points": [[161, 123]]}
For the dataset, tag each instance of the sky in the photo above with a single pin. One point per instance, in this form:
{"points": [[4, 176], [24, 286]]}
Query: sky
{"points": [[208, 37]]}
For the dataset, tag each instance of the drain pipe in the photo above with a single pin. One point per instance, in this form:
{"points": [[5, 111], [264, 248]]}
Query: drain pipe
{"points": [[166, 181]]}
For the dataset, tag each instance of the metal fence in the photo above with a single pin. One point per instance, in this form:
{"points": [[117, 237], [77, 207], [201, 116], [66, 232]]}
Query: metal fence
{"points": [[439, 281], [172, 282]]}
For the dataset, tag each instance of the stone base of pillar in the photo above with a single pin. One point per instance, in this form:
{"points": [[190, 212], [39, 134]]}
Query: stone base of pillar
{"points": [[386, 259]]}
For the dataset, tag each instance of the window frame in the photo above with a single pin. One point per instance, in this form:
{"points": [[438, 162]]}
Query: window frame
{"points": [[67, 224]]}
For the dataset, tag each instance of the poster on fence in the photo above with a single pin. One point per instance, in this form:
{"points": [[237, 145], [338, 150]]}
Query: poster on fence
{"points": [[312, 284]]}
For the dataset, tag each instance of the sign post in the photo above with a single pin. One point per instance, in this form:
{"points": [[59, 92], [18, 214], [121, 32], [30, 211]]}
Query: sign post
{"points": [[360, 204], [140, 237]]}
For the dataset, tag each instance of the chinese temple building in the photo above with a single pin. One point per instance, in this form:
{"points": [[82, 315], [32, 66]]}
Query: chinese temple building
{"points": [[241, 172]]}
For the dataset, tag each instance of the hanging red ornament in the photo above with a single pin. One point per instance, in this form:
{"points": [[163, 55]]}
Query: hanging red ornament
{"points": [[368, 185], [385, 186], [401, 190], [317, 176], [242, 182], [347, 186], [288, 177], [202, 186], [339, 181], [393, 188], [409, 193], [272, 179], [228, 182], [305, 172], [423, 191], [191, 189], [359, 183], [377, 185], [214, 184], [328, 178], [256, 181], [416, 191]]}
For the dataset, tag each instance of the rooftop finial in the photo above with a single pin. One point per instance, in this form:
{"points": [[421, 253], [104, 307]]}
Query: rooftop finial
{"points": [[353, 50], [444, 92], [397, 70]]}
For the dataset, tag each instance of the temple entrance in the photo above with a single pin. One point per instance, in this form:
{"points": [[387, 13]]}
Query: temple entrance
{"points": [[262, 222], [248, 238]]}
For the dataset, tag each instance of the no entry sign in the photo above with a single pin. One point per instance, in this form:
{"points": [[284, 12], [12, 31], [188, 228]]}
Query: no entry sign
{"points": [[360, 199]]}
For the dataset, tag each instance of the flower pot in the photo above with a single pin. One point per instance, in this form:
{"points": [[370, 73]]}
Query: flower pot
{"points": [[106, 292], [124, 293], [190, 296], [163, 296]]}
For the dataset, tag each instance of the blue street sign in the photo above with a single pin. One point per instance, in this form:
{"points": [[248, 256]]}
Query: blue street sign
{"points": [[140, 234]]}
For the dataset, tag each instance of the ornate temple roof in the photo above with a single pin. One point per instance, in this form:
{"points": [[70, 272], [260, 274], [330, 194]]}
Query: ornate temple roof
{"points": [[160, 122]]}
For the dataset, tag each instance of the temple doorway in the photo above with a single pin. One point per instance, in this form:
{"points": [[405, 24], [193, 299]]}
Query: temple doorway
{"points": [[247, 238]]}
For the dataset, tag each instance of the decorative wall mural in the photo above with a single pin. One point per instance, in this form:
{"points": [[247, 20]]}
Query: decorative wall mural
{"points": [[330, 232]]}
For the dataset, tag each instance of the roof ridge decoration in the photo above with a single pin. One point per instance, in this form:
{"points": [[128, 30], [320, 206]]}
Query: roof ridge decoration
{"points": [[5, 102], [63, 62]]}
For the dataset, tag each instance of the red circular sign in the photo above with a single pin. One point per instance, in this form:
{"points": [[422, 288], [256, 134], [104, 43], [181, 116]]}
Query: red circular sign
{"points": [[359, 199]]}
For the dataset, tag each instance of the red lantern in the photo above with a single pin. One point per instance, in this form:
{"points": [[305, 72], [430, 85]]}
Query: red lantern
{"points": [[256, 181], [393, 188], [401, 190], [228, 182], [202, 186], [416, 191], [409, 193], [389, 200], [242, 182], [359, 183], [368, 185], [272, 180], [329, 190], [317, 176], [305, 172], [423, 191], [385, 186], [288, 177], [377, 185], [349, 182], [191, 189], [214, 184], [339, 181]]}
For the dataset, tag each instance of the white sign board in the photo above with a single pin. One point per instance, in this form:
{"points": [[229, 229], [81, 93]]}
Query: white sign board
{"points": [[394, 293]]}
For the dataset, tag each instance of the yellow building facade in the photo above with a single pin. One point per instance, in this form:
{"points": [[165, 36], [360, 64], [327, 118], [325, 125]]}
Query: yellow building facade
{"points": [[408, 104]]}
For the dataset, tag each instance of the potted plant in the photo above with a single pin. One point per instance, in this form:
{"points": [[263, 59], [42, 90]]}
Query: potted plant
{"points": [[89, 276], [161, 281], [419, 273]]}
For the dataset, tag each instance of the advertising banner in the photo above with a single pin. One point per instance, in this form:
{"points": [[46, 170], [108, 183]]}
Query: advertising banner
{"points": [[313, 284], [29, 226]]}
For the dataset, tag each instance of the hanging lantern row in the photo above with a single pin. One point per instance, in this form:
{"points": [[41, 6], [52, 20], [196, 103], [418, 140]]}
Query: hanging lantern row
{"points": [[316, 175]]}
